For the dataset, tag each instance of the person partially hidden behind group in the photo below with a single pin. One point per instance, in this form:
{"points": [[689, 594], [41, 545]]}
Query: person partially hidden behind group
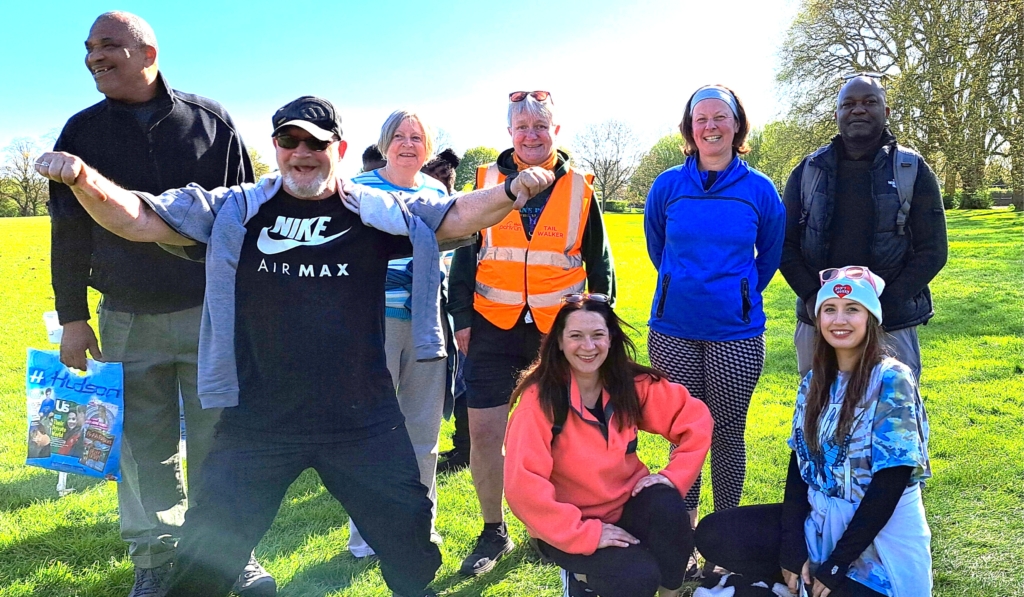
{"points": [[571, 468], [852, 515]]}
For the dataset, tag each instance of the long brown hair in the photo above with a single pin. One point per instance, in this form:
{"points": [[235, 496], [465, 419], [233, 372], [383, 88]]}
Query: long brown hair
{"points": [[550, 372], [825, 369]]}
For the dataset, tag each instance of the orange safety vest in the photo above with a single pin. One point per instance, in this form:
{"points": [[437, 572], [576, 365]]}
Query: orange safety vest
{"points": [[513, 271]]}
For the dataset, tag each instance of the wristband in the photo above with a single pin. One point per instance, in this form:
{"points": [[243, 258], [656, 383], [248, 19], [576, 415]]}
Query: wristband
{"points": [[508, 188]]}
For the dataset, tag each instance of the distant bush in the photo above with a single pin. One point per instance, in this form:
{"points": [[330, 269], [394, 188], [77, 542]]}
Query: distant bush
{"points": [[981, 199], [952, 201], [616, 206]]}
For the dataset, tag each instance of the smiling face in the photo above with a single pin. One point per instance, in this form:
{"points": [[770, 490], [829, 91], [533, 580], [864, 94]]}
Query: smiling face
{"points": [[72, 422], [122, 69], [861, 111], [533, 138], [843, 324], [308, 174], [408, 148], [714, 128], [584, 342]]}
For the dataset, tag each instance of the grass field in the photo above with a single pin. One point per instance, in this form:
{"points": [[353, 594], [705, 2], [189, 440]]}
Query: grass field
{"points": [[973, 387]]}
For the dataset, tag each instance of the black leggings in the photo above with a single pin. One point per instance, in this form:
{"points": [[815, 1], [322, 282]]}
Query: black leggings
{"points": [[657, 517], [746, 541], [723, 376]]}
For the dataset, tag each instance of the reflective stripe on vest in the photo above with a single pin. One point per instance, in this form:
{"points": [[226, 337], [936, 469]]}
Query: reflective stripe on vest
{"points": [[513, 272]]}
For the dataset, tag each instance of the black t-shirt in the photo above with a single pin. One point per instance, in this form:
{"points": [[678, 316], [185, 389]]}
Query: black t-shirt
{"points": [[309, 324]]}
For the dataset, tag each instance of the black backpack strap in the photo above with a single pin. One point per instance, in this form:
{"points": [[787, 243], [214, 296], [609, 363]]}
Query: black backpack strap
{"points": [[559, 423]]}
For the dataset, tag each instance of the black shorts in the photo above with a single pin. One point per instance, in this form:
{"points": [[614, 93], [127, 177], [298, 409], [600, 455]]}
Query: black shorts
{"points": [[496, 359]]}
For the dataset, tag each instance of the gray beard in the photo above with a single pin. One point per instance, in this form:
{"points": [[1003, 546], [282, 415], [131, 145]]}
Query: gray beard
{"points": [[308, 190]]}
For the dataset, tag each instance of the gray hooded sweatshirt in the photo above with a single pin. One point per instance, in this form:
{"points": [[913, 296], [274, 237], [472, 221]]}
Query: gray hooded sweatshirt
{"points": [[217, 218]]}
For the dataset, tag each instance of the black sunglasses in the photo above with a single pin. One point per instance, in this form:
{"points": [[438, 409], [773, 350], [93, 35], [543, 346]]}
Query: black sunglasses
{"points": [[540, 96], [579, 297], [290, 142]]}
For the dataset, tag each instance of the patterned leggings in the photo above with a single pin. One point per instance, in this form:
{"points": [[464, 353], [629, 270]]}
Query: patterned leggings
{"points": [[723, 376]]}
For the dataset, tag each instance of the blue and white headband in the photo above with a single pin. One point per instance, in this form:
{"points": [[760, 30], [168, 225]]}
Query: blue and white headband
{"points": [[715, 92]]}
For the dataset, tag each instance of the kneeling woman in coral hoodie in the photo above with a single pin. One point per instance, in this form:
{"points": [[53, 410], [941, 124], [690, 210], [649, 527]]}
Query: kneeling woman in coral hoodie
{"points": [[572, 474]]}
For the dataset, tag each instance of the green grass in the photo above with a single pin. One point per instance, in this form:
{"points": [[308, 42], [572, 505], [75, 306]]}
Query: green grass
{"points": [[973, 387]]}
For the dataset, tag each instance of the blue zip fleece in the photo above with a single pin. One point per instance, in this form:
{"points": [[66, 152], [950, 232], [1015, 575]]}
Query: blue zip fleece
{"points": [[703, 245]]}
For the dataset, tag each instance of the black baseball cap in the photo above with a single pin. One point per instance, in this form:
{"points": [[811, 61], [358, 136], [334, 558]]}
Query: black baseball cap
{"points": [[312, 114]]}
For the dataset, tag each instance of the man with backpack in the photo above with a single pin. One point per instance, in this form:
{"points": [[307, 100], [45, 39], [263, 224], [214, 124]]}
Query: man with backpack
{"points": [[865, 200]]}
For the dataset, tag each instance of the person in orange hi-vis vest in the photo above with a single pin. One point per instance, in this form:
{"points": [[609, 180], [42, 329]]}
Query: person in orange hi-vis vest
{"points": [[507, 288]]}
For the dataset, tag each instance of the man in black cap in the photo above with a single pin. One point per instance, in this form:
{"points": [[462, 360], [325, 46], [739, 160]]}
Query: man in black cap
{"points": [[149, 137], [865, 200], [293, 340]]}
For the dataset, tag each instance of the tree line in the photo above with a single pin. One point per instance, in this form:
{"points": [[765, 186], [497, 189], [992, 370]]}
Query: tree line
{"points": [[952, 68]]}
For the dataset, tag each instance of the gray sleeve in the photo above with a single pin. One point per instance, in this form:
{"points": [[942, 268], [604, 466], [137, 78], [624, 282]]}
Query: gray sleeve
{"points": [[190, 211], [430, 208]]}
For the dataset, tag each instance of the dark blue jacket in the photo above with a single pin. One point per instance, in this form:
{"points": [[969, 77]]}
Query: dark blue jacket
{"points": [[906, 262], [703, 245]]}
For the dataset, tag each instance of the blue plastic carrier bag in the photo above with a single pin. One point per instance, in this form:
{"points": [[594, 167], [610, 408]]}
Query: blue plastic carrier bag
{"points": [[74, 421]]}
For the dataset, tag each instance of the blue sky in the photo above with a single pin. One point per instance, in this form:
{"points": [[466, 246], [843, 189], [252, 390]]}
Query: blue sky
{"points": [[636, 62]]}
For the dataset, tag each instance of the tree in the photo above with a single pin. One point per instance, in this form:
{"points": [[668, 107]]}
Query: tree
{"points": [[442, 141], [666, 153], [465, 174], [259, 167], [19, 182], [610, 151], [951, 67], [778, 147]]}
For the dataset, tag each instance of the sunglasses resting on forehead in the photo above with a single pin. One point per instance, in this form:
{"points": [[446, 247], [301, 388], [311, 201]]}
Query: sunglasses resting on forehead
{"points": [[290, 142], [540, 96], [579, 297], [853, 272]]}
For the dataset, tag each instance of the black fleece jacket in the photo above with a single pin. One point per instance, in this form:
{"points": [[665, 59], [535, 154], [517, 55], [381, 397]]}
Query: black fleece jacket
{"points": [[187, 139]]}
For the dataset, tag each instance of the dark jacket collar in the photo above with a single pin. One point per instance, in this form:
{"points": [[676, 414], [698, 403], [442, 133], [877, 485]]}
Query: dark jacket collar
{"points": [[163, 95]]}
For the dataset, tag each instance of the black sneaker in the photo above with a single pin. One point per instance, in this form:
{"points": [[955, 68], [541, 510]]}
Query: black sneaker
{"points": [[491, 546], [574, 587], [452, 461], [151, 582], [254, 581]]}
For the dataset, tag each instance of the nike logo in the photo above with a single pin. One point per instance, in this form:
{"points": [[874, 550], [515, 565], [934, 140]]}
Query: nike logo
{"points": [[297, 232]]}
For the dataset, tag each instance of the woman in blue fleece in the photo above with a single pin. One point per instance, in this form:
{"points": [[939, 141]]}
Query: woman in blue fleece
{"points": [[714, 230]]}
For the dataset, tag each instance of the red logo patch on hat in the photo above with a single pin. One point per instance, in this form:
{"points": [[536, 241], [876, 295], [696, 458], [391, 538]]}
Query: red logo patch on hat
{"points": [[842, 290]]}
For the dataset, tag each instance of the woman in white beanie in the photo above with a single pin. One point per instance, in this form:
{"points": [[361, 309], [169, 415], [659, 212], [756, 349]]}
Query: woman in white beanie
{"points": [[852, 521]]}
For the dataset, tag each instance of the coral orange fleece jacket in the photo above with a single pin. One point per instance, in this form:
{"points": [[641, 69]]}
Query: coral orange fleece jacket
{"points": [[564, 491]]}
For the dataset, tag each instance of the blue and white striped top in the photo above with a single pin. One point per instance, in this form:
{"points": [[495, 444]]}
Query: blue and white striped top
{"points": [[398, 288]]}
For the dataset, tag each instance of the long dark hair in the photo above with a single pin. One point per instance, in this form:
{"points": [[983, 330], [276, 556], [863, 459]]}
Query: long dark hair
{"points": [[550, 372], [825, 369]]}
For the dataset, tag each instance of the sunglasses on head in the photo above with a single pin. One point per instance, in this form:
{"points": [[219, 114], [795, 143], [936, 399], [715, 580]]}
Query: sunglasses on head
{"points": [[870, 75], [853, 272], [312, 143], [579, 297], [540, 96]]}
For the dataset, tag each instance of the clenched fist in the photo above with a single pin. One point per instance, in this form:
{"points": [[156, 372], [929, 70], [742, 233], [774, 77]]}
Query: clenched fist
{"points": [[530, 183], [60, 167]]}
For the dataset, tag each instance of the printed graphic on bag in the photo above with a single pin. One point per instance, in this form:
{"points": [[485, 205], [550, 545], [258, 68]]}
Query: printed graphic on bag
{"points": [[74, 421]]}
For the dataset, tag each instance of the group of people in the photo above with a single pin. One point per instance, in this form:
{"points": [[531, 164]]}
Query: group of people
{"points": [[308, 321]]}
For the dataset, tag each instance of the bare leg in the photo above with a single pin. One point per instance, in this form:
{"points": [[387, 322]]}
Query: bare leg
{"points": [[486, 462]]}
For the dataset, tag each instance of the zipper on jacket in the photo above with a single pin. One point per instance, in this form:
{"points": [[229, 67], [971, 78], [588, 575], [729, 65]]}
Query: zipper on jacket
{"points": [[745, 294], [664, 294]]}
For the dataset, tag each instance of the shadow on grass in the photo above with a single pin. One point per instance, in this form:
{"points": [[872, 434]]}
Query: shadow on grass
{"points": [[476, 585], [334, 575], [78, 546], [36, 489]]}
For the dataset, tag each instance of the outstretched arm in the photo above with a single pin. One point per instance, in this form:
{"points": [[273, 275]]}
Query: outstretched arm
{"points": [[116, 209], [480, 209]]}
